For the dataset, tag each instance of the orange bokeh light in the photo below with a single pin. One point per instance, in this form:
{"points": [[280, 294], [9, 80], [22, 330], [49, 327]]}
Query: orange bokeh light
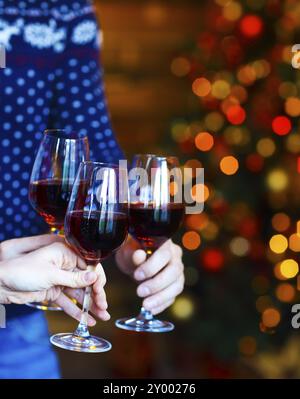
{"points": [[204, 141], [229, 165], [191, 240], [201, 87]]}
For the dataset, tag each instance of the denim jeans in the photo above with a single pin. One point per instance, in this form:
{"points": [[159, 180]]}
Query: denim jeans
{"points": [[25, 351]]}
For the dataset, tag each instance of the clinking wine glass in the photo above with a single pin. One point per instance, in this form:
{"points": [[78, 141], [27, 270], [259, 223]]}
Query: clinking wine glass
{"points": [[155, 214], [52, 178], [96, 225]]}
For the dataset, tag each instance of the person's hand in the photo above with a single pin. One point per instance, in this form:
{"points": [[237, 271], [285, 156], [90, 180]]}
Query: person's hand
{"points": [[42, 275], [160, 277], [16, 247]]}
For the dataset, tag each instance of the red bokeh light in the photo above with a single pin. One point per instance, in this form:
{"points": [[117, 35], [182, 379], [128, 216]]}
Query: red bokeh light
{"points": [[281, 125], [213, 259], [236, 114], [251, 26]]}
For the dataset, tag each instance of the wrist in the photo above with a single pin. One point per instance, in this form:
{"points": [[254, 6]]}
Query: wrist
{"points": [[3, 296]]}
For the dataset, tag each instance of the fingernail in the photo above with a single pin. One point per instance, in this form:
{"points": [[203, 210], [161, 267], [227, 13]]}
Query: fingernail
{"points": [[90, 277], [139, 275], [143, 291], [92, 321]]}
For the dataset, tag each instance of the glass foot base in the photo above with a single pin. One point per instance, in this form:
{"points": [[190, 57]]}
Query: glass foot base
{"points": [[142, 325], [44, 306], [75, 343]]}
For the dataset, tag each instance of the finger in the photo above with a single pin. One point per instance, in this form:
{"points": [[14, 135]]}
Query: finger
{"points": [[159, 299], [139, 256], [163, 307], [101, 280], [99, 300], [16, 246], [80, 279], [71, 309], [161, 281], [98, 310], [154, 264]]}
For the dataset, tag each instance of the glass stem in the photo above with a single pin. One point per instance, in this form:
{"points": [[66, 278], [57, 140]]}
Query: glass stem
{"points": [[145, 314], [82, 329]]}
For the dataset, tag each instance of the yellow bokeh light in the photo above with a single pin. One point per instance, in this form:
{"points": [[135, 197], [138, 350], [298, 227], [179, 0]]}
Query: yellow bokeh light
{"points": [[293, 143], [289, 268], [229, 165], [183, 308], [236, 135], [220, 89], [232, 11], [191, 240], [294, 242], [214, 121], [292, 106], [266, 147], [271, 317], [278, 243], [210, 231], [287, 89], [180, 132], [277, 180], [239, 246], [277, 272]]}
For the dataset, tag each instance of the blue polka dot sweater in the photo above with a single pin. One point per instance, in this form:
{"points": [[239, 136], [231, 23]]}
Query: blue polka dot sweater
{"points": [[52, 79]]}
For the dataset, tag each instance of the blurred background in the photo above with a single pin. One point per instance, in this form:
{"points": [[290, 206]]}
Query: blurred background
{"points": [[211, 82]]}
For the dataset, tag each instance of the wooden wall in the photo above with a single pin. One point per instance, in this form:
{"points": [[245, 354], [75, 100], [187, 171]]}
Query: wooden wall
{"points": [[140, 40]]}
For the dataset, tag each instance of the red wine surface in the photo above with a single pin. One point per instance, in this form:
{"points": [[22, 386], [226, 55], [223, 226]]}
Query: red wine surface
{"points": [[95, 235], [50, 199], [151, 226]]}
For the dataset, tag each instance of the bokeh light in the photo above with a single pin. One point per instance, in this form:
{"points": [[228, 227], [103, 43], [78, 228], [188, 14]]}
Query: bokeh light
{"points": [[183, 308], [204, 141], [281, 125], [251, 26], [277, 180], [271, 317], [229, 165], [289, 268], [278, 243], [201, 87], [191, 240]]}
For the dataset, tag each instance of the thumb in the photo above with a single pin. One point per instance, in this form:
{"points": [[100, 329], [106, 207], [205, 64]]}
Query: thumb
{"points": [[75, 279]]}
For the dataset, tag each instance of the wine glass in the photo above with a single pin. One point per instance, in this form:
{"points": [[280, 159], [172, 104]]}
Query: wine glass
{"points": [[96, 224], [52, 178], [155, 214]]}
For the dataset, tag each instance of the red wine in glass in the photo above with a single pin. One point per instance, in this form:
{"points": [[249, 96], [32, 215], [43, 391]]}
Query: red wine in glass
{"points": [[50, 198], [154, 217], [96, 225], [96, 235], [57, 161], [151, 226]]}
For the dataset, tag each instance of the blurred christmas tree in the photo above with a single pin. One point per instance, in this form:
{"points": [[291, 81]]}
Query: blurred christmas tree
{"points": [[240, 124]]}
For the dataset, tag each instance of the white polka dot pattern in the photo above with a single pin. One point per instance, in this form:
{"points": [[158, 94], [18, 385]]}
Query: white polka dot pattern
{"points": [[68, 95]]}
